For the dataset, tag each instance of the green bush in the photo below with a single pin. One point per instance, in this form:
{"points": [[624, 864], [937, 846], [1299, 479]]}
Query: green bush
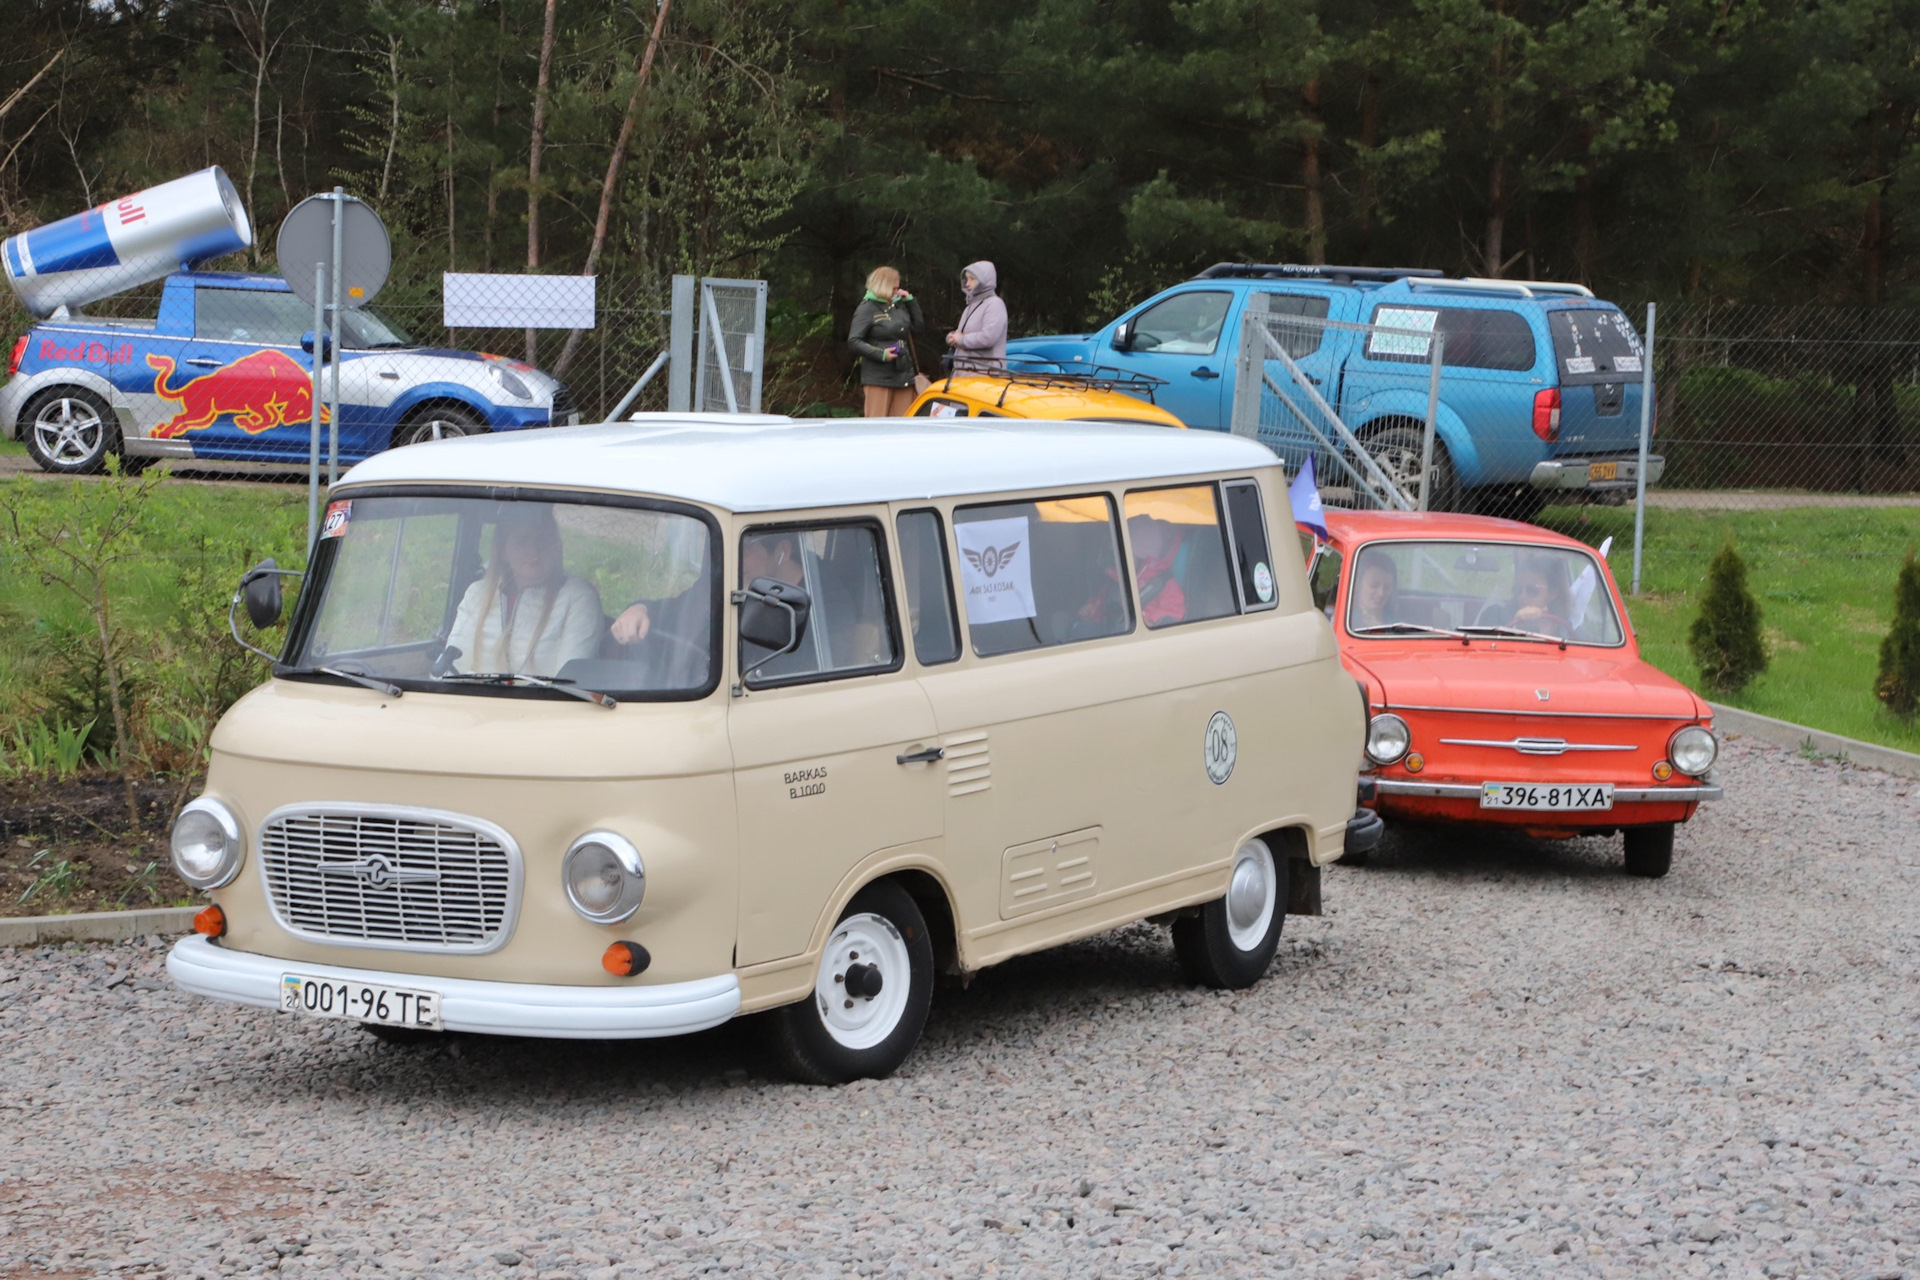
{"points": [[1725, 638], [1898, 683]]}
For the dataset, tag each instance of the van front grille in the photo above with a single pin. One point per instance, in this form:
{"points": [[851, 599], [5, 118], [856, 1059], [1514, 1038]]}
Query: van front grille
{"points": [[402, 879]]}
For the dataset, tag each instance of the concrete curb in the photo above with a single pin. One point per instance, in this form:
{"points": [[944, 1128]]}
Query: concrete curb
{"points": [[1867, 755], [95, 926]]}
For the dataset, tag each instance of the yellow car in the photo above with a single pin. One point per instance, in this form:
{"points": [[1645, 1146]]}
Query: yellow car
{"points": [[1042, 389]]}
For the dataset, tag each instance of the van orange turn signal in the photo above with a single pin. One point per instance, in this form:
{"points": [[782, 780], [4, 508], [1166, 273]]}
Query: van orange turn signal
{"points": [[625, 959], [210, 922]]}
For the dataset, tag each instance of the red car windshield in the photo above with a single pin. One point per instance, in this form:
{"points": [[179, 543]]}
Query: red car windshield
{"points": [[1500, 590]]}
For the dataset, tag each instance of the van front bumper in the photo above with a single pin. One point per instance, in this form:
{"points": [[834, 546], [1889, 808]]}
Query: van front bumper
{"points": [[198, 965], [1598, 474]]}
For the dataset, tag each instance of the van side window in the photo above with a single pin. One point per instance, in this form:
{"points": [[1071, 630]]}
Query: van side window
{"points": [[1041, 573], [1252, 560], [849, 631], [1326, 578], [1179, 555], [923, 561]]}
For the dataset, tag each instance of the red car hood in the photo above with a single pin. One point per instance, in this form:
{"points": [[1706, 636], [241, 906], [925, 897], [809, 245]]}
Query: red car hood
{"points": [[1512, 676]]}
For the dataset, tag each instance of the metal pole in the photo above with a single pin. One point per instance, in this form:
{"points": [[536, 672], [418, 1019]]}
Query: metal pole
{"points": [[633, 393], [1646, 434], [313, 408], [680, 344], [333, 429], [1438, 354]]}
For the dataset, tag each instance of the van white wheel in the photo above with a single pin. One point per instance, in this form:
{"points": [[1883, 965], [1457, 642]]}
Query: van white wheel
{"points": [[1231, 941], [870, 994]]}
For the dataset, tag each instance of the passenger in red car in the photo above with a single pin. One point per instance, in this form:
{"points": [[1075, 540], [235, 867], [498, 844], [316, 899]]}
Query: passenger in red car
{"points": [[1542, 601], [1375, 593]]}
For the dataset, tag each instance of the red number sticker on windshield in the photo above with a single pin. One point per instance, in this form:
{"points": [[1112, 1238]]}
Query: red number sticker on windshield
{"points": [[338, 513]]}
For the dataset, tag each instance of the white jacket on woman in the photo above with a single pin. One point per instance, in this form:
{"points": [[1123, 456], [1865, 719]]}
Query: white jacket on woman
{"points": [[573, 628]]}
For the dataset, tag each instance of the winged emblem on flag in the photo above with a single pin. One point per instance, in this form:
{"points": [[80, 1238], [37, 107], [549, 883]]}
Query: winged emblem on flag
{"points": [[992, 560]]}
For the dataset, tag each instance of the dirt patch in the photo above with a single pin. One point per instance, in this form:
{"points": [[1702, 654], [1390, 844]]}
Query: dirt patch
{"points": [[65, 846]]}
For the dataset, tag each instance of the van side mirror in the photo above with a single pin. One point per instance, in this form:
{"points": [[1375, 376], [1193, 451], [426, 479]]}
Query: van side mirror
{"points": [[1123, 336], [773, 615], [325, 342], [260, 589]]}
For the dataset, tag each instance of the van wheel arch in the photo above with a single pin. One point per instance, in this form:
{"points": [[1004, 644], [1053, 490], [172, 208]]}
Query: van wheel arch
{"points": [[1303, 878], [931, 897]]}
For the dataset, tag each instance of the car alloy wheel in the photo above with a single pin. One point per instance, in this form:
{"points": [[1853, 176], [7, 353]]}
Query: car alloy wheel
{"points": [[69, 433]]}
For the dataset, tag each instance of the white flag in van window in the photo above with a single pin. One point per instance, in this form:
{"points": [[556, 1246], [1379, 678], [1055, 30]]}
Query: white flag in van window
{"points": [[996, 569]]}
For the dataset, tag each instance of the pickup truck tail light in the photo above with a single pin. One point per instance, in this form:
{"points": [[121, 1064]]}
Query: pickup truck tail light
{"points": [[19, 353], [1546, 414]]}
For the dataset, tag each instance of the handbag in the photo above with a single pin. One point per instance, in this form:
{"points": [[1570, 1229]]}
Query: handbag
{"points": [[920, 380]]}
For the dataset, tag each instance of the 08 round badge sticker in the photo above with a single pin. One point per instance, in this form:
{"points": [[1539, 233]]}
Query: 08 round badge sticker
{"points": [[1222, 748]]}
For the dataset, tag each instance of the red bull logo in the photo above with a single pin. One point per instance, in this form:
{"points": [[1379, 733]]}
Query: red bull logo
{"points": [[259, 391]]}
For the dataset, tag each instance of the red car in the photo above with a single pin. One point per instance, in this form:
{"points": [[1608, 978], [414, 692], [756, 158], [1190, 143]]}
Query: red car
{"points": [[1504, 686]]}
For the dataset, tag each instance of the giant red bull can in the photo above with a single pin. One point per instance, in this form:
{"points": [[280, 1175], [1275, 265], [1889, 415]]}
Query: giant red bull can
{"points": [[127, 242]]}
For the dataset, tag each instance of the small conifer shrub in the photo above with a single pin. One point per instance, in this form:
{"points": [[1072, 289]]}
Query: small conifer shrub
{"points": [[1898, 684], [1725, 638]]}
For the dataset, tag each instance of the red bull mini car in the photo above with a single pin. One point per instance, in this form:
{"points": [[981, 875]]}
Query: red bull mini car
{"points": [[225, 371], [1503, 684]]}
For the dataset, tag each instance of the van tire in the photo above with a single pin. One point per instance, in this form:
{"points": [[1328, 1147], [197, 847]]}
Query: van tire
{"points": [[69, 431], [1398, 451], [1650, 850], [831, 1039], [1230, 941]]}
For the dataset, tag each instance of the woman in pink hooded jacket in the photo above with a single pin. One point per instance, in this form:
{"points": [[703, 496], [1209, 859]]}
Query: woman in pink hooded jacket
{"points": [[979, 341]]}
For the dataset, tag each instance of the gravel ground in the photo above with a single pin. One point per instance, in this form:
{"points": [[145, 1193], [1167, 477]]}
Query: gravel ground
{"points": [[1496, 1058]]}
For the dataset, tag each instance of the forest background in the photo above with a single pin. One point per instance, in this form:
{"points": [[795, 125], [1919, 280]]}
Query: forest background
{"points": [[1698, 150]]}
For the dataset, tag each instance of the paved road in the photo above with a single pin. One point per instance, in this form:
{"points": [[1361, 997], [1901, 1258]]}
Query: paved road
{"points": [[1491, 1057]]}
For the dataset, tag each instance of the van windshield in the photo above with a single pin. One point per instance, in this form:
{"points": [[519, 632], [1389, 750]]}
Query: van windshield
{"points": [[1495, 590], [470, 594]]}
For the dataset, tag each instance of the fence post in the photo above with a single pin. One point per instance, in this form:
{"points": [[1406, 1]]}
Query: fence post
{"points": [[314, 401], [680, 347], [1247, 383], [1437, 354], [1646, 432]]}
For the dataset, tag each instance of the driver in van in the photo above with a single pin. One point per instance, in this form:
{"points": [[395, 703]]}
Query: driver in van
{"points": [[526, 615], [762, 555]]}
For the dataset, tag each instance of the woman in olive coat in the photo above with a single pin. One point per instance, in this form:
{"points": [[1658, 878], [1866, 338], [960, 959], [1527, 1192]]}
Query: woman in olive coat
{"points": [[881, 335]]}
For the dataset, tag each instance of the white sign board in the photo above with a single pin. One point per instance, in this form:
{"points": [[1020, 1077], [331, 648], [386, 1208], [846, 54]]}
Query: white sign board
{"points": [[474, 301], [1401, 344], [996, 570]]}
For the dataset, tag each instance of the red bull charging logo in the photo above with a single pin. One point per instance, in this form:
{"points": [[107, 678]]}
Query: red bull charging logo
{"points": [[259, 391]]}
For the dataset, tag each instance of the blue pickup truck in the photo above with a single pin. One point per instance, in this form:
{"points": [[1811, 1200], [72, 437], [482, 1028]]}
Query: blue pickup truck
{"points": [[225, 371], [1539, 388]]}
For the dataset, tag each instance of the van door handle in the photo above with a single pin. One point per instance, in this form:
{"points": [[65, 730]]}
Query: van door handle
{"points": [[1204, 372], [927, 756]]}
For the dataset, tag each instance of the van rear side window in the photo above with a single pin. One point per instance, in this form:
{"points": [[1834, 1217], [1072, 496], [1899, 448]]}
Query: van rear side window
{"points": [[1179, 555], [1041, 573], [1252, 556]]}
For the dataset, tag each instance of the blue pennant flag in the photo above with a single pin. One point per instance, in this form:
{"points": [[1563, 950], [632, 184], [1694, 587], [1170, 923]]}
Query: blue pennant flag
{"points": [[1305, 495]]}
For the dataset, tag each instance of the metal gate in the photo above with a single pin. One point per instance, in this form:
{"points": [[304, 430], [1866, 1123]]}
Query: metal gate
{"points": [[732, 346]]}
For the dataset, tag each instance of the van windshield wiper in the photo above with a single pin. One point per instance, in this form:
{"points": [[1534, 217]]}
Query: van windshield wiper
{"points": [[1419, 627], [1518, 633], [594, 696], [367, 682]]}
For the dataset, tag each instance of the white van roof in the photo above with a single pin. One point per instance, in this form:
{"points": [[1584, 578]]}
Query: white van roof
{"points": [[750, 462]]}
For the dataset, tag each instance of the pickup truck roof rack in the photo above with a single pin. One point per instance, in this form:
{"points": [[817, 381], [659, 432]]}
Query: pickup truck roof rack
{"points": [[1311, 271], [1519, 288]]}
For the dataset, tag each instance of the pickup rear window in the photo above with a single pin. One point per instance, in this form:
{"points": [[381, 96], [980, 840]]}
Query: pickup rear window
{"points": [[1476, 337], [1594, 344]]}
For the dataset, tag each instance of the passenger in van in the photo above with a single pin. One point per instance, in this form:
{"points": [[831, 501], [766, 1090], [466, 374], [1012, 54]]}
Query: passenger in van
{"points": [[526, 614], [1156, 556], [762, 555], [1375, 594]]}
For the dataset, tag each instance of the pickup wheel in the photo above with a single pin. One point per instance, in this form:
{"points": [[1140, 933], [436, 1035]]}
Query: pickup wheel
{"points": [[1650, 850], [69, 431], [1398, 451], [1230, 942], [438, 422], [870, 995]]}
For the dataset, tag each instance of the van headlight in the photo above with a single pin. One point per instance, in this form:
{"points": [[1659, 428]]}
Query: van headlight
{"points": [[604, 877], [207, 845], [1387, 738], [1693, 750]]}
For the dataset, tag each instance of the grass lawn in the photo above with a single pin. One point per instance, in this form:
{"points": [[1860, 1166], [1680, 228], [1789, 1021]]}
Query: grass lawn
{"points": [[1823, 577]]}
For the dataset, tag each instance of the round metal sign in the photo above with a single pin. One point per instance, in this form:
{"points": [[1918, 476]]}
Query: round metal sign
{"points": [[1222, 748], [306, 241]]}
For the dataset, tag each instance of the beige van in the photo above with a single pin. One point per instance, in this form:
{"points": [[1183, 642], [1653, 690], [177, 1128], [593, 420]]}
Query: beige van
{"points": [[624, 731]]}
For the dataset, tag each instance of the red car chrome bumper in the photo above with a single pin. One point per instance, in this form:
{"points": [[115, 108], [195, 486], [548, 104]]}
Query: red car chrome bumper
{"points": [[1621, 795]]}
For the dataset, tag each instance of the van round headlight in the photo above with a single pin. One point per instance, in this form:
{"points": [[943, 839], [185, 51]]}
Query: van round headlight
{"points": [[206, 842], [604, 877], [1693, 750], [1387, 738]]}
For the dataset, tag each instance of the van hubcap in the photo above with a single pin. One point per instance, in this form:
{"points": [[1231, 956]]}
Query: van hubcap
{"points": [[68, 431], [1252, 895], [861, 989]]}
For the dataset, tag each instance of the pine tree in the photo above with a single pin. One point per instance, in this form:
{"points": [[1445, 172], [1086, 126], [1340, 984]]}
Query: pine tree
{"points": [[1725, 638], [1898, 684]]}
